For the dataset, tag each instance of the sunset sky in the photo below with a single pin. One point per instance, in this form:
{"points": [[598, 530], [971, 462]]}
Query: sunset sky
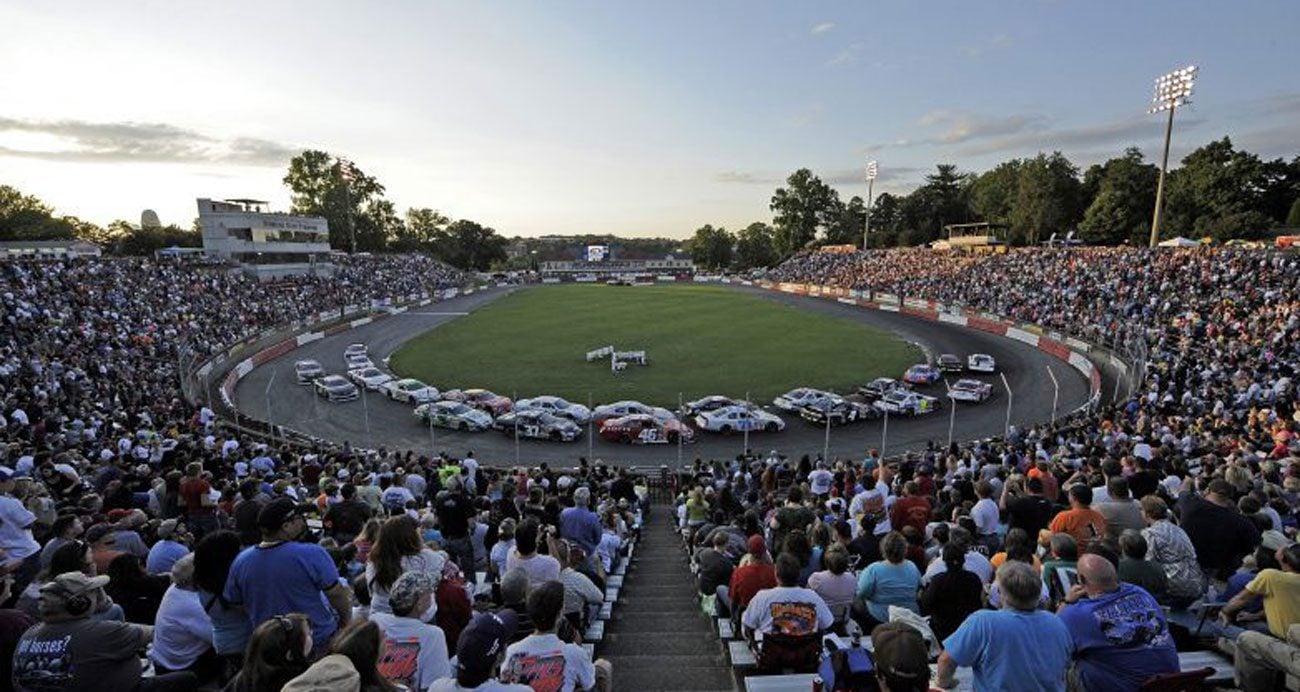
{"points": [[608, 117]]}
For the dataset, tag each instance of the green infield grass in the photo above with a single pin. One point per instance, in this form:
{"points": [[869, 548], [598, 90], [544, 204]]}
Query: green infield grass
{"points": [[699, 340]]}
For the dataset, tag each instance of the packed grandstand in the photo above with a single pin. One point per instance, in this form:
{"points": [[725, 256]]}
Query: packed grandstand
{"points": [[151, 543]]}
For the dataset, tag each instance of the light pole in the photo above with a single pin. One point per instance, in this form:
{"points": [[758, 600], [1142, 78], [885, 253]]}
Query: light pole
{"points": [[871, 181], [1008, 388], [348, 173], [1056, 392], [952, 412], [270, 426], [1172, 90]]}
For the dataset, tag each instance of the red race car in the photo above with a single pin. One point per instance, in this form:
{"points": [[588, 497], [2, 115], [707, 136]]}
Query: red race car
{"points": [[643, 429], [489, 402]]}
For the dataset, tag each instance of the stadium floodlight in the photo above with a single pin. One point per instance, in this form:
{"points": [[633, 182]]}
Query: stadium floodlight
{"points": [[872, 170], [1172, 90]]}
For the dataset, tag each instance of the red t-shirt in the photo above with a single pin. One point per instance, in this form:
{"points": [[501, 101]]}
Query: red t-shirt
{"points": [[910, 511], [749, 580], [192, 492]]}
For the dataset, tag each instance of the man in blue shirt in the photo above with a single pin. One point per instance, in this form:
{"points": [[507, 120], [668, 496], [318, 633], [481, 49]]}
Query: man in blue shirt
{"points": [[1015, 648], [1120, 637], [581, 525], [280, 576]]}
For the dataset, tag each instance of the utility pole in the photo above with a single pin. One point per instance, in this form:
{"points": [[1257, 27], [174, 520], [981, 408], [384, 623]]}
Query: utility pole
{"points": [[1172, 90]]}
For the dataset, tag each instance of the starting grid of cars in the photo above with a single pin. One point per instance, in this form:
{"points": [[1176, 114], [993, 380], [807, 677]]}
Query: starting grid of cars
{"points": [[632, 422]]}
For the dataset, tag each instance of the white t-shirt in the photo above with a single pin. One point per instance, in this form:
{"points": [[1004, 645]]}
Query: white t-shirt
{"points": [[820, 481], [492, 685], [544, 662], [974, 563], [791, 610], [540, 568], [985, 515], [16, 530], [500, 552], [182, 629], [414, 653]]}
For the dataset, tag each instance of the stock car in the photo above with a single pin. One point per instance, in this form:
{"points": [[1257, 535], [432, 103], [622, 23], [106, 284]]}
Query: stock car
{"points": [[557, 406], [641, 428], [880, 387], [355, 350], [489, 402], [711, 403], [981, 362], [907, 403], [453, 414], [949, 362], [371, 378], [335, 388], [970, 391], [307, 371], [839, 411], [410, 390], [794, 399], [738, 419], [356, 362], [619, 409], [539, 424], [922, 373]]}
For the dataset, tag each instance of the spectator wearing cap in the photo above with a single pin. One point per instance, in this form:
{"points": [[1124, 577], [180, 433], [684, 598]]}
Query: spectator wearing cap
{"points": [[22, 554], [754, 573], [479, 654], [1119, 634], [414, 649], [901, 658], [70, 650], [172, 545], [1016, 647], [281, 575], [1279, 589], [1219, 532], [182, 635], [545, 662]]}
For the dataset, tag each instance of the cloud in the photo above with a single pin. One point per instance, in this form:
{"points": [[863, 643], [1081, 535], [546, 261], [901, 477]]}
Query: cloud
{"points": [[848, 55], [997, 42], [1116, 132], [82, 141], [843, 176], [745, 178], [822, 28], [955, 127]]}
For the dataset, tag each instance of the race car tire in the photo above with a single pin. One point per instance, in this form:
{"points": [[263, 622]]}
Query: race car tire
{"points": [[770, 427], [557, 436], [464, 427], [725, 430], [672, 438], [625, 438]]}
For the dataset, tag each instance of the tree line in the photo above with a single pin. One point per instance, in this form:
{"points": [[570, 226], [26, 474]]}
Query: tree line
{"points": [[1219, 191]]}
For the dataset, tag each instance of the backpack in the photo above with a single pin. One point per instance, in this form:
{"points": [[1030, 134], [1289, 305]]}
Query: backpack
{"points": [[848, 670]]}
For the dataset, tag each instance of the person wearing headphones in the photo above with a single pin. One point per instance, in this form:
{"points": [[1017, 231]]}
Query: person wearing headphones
{"points": [[71, 650]]}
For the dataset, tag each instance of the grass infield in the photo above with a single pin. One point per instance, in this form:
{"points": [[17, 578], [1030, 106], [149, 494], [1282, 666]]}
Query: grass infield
{"points": [[699, 340]]}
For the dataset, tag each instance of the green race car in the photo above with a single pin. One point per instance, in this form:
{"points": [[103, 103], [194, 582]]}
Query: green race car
{"points": [[453, 414]]}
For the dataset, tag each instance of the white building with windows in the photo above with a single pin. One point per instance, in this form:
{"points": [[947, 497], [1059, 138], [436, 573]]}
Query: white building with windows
{"points": [[265, 244]]}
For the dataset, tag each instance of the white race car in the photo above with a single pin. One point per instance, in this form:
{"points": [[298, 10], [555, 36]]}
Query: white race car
{"points": [[907, 403], [970, 391], [880, 387], [796, 399], [731, 419], [411, 391], [981, 362], [556, 406], [711, 403], [618, 409], [357, 362], [355, 350], [371, 378], [307, 371], [453, 414]]}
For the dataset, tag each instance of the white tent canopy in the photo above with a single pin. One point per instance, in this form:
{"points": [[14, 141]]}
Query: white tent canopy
{"points": [[1179, 242]]}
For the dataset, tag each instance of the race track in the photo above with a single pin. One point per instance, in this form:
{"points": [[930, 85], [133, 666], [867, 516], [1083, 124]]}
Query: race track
{"points": [[392, 426]]}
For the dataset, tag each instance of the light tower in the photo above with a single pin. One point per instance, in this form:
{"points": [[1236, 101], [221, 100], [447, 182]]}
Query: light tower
{"points": [[871, 181], [1172, 90]]}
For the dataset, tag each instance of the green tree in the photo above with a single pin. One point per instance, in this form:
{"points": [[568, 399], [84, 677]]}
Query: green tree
{"points": [[1218, 191], [469, 245], [711, 247], [1047, 198], [943, 199], [754, 247], [143, 242], [993, 193], [886, 215], [849, 222], [1125, 196], [24, 217], [377, 225], [319, 188], [805, 206], [423, 226]]}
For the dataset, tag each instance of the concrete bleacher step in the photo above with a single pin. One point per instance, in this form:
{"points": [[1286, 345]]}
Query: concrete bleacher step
{"points": [[679, 644]]}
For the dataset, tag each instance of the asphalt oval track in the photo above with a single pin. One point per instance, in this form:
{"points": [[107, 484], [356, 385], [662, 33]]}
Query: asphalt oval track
{"points": [[391, 425]]}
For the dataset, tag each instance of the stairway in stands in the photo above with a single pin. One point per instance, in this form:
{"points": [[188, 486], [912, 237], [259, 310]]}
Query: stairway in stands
{"points": [[657, 639]]}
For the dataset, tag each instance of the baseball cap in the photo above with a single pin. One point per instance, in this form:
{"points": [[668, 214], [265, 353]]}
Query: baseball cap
{"points": [[56, 593], [407, 589], [6, 473], [756, 545], [97, 532], [167, 529], [899, 651], [277, 513], [484, 639]]}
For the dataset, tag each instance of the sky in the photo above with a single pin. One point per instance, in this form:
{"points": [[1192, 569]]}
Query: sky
{"points": [[637, 119]]}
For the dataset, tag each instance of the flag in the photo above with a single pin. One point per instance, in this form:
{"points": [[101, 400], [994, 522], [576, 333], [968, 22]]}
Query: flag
{"points": [[347, 170]]}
